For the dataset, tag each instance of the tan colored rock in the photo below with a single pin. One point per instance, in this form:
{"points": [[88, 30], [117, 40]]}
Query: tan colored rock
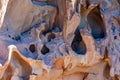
{"points": [[14, 67], [19, 67], [72, 27], [3, 9], [27, 15]]}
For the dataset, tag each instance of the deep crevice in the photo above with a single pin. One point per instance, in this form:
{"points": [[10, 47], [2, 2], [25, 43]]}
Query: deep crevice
{"points": [[96, 23], [45, 50], [106, 53], [107, 71], [87, 3], [78, 45]]}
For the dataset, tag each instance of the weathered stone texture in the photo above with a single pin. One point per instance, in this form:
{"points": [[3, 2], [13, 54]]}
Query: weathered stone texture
{"points": [[60, 39]]}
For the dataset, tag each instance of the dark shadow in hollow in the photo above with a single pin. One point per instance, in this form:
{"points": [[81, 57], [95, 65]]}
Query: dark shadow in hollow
{"points": [[118, 1], [32, 48], [96, 23], [87, 3], [45, 50], [78, 45], [51, 36]]}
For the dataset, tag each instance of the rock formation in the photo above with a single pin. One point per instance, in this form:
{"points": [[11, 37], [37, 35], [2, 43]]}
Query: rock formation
{"points": [[59, 39]]}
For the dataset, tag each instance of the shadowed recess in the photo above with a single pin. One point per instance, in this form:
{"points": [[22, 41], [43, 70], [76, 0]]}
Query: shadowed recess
{"points": [[96, 23], [78, 45], [32, 48], [107, 71], [106, 53], [87, 3], [45, 50], [116, 77], [118, 1], [51, 36]]}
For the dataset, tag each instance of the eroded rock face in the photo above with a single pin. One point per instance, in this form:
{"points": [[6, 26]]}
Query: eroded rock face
{"points": [[27, 15], [59, 39]]}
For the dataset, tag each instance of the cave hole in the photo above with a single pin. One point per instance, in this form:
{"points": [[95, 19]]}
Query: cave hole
{"points": [[32, 48], [45, 50], [78, 45], [13, 38], [9, 36], [96, 23], [115, 37], [51, 36]]}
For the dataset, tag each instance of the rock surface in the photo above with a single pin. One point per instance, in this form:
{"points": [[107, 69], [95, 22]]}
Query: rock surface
{"points": [[59, 39]]}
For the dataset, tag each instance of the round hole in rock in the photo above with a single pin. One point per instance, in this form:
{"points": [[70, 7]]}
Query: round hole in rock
{"points": [[96, 23], [45, 50], [32, 48], [51, 36], [78, 46], [13, 38], [115, 37], [9, 36]]}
